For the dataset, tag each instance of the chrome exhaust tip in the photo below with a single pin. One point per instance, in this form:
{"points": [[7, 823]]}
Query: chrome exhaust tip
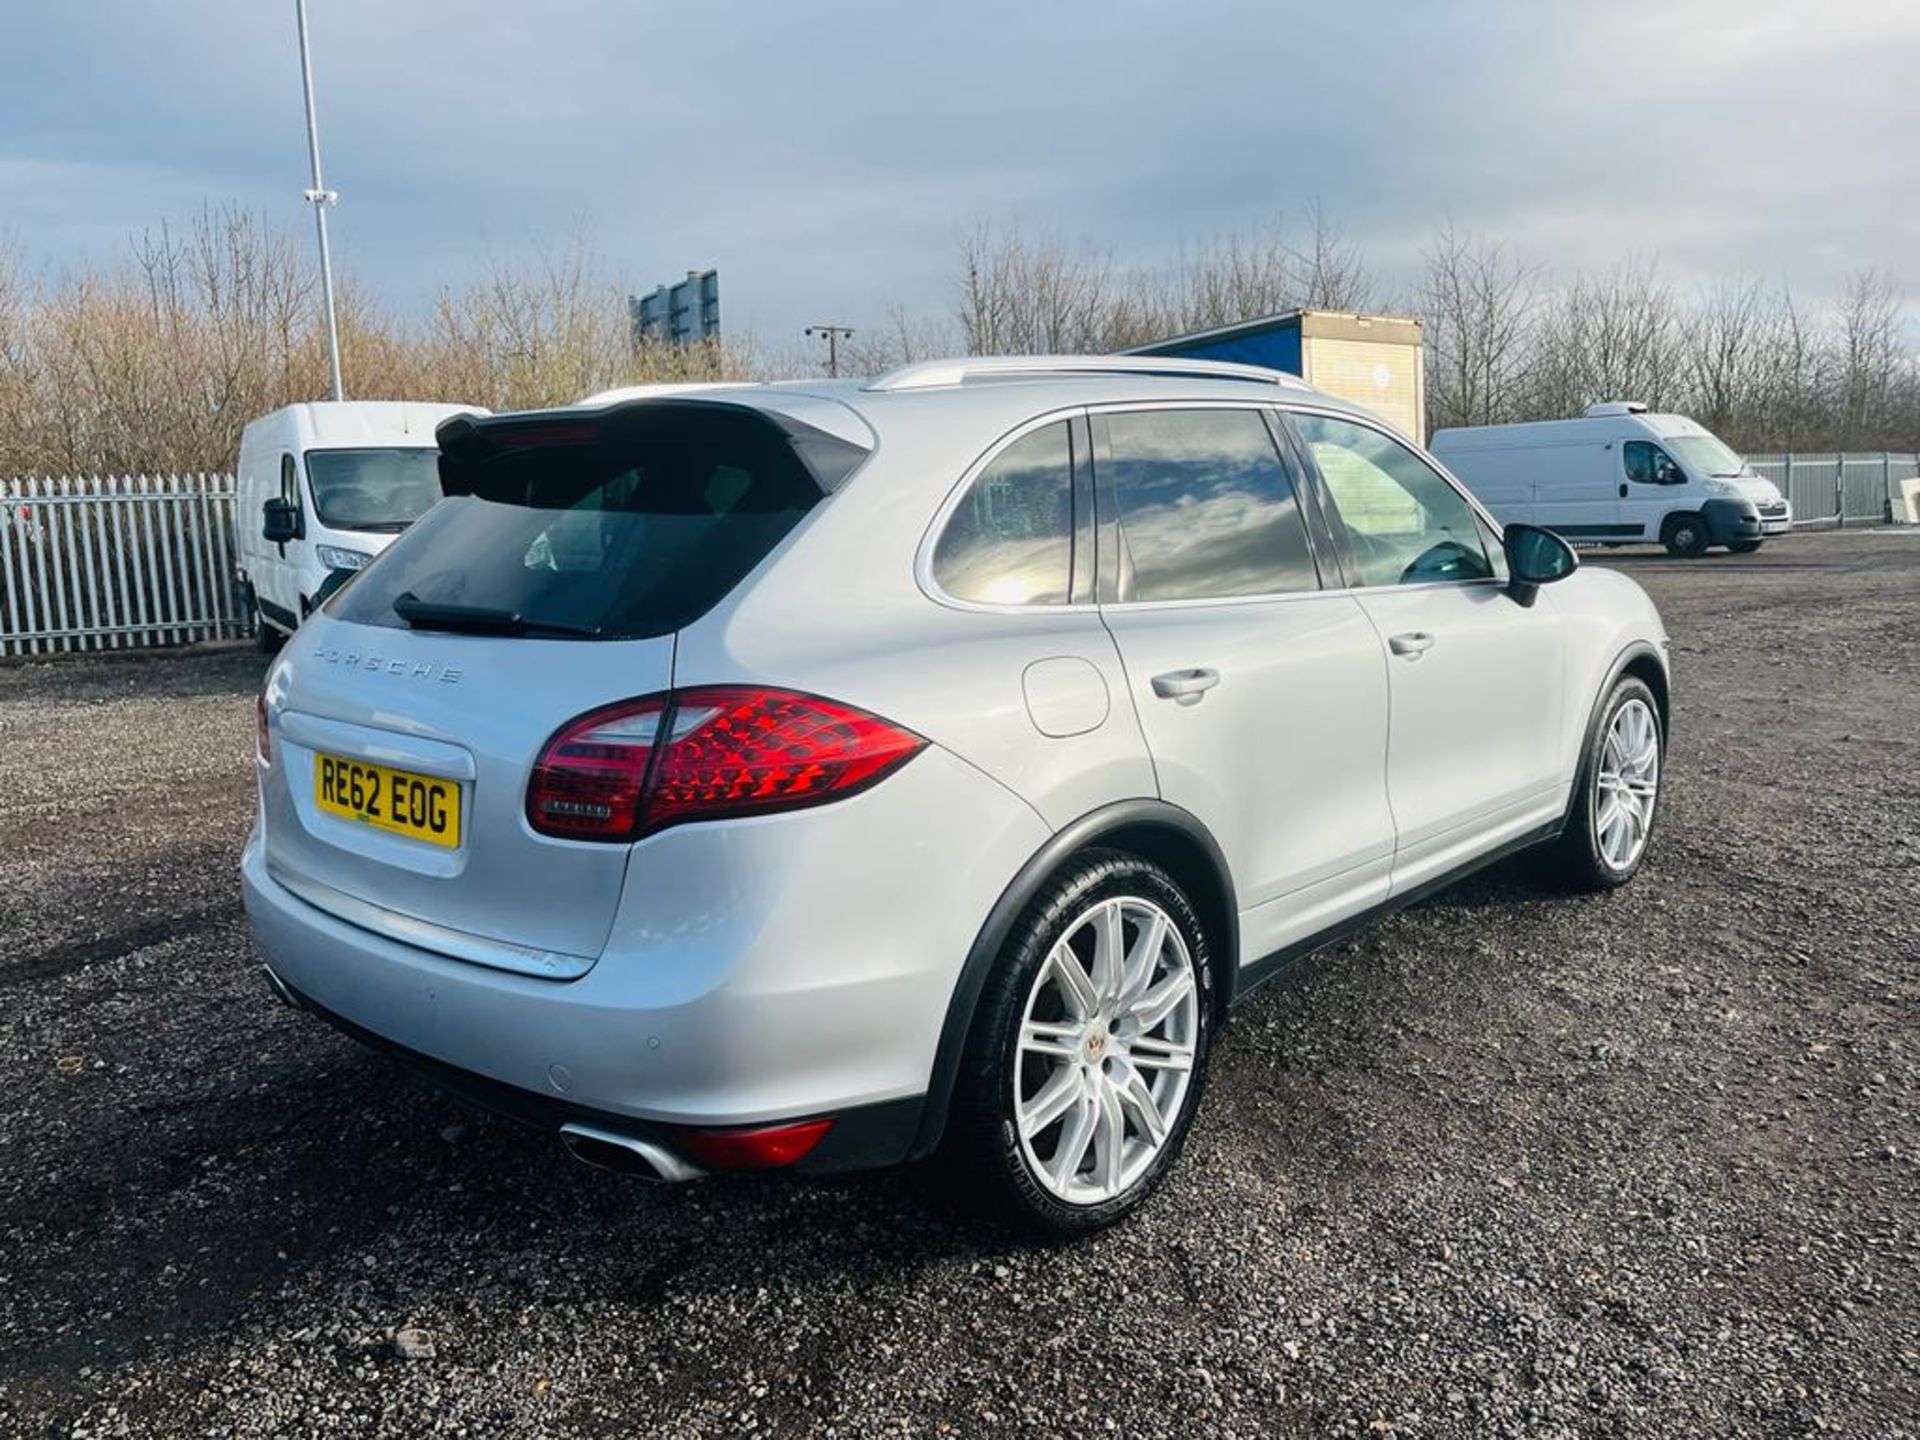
{"points": [[626, 1155], [281, 991]]}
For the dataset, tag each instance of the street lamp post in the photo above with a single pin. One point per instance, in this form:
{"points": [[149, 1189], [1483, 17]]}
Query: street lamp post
{"points": [[320, 198], [834, 335]]}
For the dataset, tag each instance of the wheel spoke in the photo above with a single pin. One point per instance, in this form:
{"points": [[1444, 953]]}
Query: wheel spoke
{"points": [[1055, 1039], [1075, 1137], [1137, 1097], [1075, 985], [1064, 1087], [1161, 1001], [1141, 960], [1109, 950], [1154, 1052], [1109, 1139]]}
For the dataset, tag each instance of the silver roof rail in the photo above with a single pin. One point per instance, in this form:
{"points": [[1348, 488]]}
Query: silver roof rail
{"points": [[932, 374]]}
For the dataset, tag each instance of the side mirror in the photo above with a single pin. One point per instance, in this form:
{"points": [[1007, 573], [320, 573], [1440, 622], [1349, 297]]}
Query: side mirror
{"points": [[282, 521], [1535, 557]]}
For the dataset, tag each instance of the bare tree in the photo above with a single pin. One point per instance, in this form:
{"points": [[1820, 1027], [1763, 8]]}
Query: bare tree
{"points": [[1868, 359], [1330, 273], [1477, 304]]}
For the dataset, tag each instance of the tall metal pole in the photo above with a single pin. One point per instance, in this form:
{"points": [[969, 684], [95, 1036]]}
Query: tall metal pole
{"points": [[320, 198], [834, 335]]}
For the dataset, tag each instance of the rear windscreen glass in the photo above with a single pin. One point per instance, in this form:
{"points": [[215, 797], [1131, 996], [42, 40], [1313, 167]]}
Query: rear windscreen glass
{"points": [[631, 529]]}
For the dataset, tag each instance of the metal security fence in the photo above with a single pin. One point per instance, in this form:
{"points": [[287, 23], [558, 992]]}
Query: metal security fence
{"points": [[1840, 489], [122, 562]]}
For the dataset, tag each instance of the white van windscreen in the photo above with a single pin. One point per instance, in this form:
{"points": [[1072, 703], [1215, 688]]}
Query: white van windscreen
{"points": [[1705, 455], [373, 489]]}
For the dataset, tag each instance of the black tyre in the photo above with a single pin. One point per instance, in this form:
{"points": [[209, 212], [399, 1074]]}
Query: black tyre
{"points": [[1744, 547], [1616, 798], [1088, 1052], [1685, 535], [266, 639]]}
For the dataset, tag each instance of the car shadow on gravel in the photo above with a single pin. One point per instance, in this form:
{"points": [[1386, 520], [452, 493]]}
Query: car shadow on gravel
{"points": [[341, 1169]]}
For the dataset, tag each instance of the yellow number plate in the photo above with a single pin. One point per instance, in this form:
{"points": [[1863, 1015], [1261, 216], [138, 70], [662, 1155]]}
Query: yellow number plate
{"points": [[422, 806]]}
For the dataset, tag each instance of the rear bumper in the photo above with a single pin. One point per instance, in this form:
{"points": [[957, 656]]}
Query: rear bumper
{"points": [[862, 1138], [760, 970]]}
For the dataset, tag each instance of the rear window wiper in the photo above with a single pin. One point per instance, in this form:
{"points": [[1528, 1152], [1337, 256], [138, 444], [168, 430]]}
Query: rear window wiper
{"points": [[479, 619]]}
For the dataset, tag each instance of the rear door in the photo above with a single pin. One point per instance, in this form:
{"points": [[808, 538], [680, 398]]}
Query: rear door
{"points": [[1472, 759], [1263, 697], [550, 583]]}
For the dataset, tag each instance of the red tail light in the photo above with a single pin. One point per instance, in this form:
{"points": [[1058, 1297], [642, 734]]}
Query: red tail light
{"points": [[587, 782], [703, 754]]}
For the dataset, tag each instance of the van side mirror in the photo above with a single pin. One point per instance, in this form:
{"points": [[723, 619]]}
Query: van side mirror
{"points": [[281, 521], [1535, 557]]}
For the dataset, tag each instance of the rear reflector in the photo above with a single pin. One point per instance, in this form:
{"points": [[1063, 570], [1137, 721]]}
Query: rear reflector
{"points": [[764, 1147], [706, 754]]}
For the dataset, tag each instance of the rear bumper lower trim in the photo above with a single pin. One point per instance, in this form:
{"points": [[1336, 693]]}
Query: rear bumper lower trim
{"points": [[864, 1137]]}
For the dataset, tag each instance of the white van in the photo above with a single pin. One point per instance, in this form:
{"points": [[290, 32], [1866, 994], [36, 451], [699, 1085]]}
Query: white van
{"points": [[323, 488], [1618, 476]]}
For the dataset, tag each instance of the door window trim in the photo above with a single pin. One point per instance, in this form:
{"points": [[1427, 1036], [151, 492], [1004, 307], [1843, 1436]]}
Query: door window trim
{"points": [[1106, 506], [1325, 499], [1083, 559], [1665, 454]]}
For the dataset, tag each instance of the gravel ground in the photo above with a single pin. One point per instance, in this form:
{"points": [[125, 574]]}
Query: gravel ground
{"points": [[1509, 1164]]}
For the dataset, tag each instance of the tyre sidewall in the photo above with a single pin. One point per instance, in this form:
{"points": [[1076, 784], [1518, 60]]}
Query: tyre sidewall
{"points": [[1692, 526]]}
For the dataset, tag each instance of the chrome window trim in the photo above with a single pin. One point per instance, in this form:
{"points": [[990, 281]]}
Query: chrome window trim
{"points": [[923, 556], [930, 539]]}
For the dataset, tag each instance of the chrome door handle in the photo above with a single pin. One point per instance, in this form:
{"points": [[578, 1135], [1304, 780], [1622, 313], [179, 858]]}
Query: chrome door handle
{"points": [[1185, 687], [1413, 644]]}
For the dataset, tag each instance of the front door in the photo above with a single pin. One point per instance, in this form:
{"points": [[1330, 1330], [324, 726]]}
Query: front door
{"points": [[278, 585], [1476, 678], [1652, 484], [1263, 698]]}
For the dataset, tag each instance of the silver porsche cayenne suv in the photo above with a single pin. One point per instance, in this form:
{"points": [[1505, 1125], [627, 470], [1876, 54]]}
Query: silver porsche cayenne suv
{"points": [[833, 774]]}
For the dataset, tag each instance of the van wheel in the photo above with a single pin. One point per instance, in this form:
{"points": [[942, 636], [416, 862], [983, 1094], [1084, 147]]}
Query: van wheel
{"points": [[1743, 547], [266, 639], [1088, 1051], [1684, 535]]}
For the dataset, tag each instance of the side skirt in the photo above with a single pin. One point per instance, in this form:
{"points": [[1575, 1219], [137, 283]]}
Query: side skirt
{"points": [[1251, 977]]}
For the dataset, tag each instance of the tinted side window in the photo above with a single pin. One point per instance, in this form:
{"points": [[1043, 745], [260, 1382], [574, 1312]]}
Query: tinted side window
{"points": [[1648, 464], [1010, 540], [1405, 523], [1206, 508], [289, 480]]}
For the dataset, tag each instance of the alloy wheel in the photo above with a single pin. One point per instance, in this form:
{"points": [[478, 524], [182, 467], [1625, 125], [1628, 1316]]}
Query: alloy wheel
{"points": [[1627, 785], [1106, 1050]]}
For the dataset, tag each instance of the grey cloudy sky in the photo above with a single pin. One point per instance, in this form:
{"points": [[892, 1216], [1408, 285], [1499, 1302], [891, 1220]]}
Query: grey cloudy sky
{"points": [[825, 155]]}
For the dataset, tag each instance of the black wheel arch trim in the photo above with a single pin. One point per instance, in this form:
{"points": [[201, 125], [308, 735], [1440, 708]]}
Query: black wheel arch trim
{"points": [[1090, 829], [1638, 650]]}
